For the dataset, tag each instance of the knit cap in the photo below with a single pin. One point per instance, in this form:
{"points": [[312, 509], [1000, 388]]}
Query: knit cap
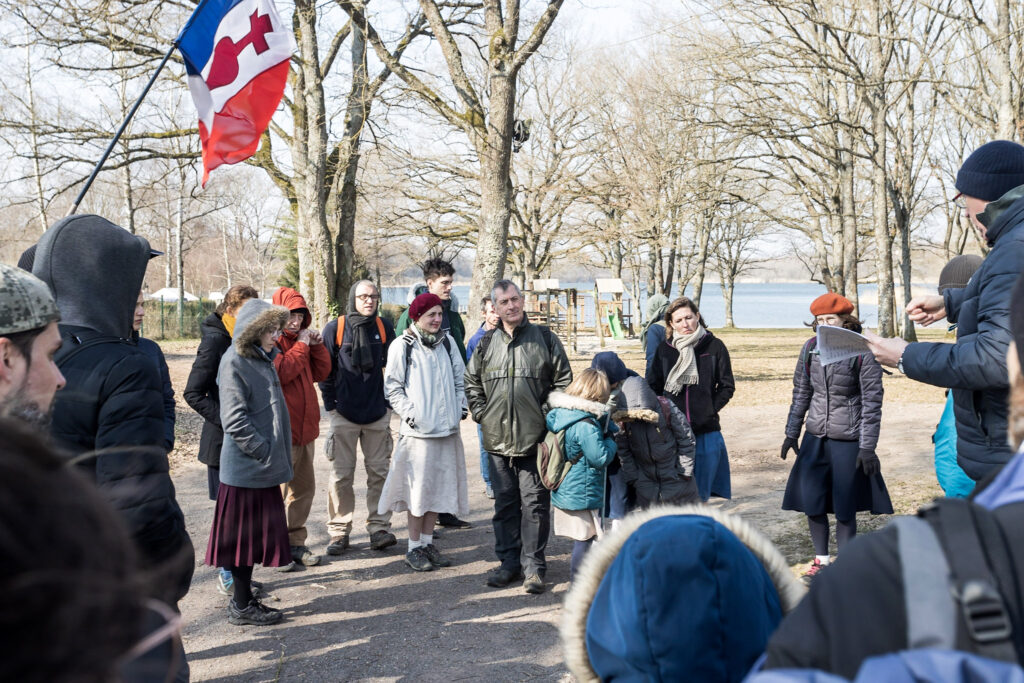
{"points": [[957, 273], [831, 304], [992, 170], [422, 304], [26, 303]]}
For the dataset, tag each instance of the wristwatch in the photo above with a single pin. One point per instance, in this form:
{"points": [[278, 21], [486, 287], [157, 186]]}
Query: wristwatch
{"points": [[899, 365]]}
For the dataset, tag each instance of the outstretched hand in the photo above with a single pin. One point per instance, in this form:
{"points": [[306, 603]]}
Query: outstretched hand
{"points": [[886, 351]]}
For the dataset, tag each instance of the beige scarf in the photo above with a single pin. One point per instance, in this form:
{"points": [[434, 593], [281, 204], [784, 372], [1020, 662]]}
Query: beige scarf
{"points": [[684, 372]]}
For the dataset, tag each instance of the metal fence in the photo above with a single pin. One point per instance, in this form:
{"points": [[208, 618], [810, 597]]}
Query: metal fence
{"points": [[163, 320]]}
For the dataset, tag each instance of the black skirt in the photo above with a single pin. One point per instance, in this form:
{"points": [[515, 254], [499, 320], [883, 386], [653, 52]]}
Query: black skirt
{"points": [[249, 528], [825, 479]]}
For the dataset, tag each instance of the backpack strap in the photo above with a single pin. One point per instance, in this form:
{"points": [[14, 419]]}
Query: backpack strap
{"points": [[408, 340], [931, 615], [339, 337], [805, 355], [979, 553]]}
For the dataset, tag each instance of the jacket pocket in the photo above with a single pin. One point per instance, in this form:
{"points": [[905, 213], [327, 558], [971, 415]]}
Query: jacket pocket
{"points": [[329, 446]]}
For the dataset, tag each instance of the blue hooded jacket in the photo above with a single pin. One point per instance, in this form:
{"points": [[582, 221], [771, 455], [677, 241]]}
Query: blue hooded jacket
{"points": [[677, 594], [583, 486]]}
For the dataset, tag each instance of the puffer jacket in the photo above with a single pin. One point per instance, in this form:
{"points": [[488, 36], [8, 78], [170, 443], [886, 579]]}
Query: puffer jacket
{"points": [[112, 404], [586, 442], [299, 365], [700, 402], [429, 388], [257, 449], [657, 454], [201, 388], [975, 367], [508, 384], [841, 401]]}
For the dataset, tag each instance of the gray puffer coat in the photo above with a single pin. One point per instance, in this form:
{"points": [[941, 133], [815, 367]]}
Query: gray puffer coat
{"points": [[657, 455], [257, 448], [841, 401]]}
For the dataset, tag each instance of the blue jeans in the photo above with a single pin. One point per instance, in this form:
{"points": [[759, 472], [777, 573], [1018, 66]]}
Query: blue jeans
{"points": [[485, 458]]}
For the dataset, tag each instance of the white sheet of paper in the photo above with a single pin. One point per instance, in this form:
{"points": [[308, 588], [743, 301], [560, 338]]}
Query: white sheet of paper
{"points": [[837, 344]]}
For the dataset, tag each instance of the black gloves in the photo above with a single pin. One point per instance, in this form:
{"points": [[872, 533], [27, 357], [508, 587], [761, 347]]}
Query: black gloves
{"points": [[868, 462], [789, 443]]}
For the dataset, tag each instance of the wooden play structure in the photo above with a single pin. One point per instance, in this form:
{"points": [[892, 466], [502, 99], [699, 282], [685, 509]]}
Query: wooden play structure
{"points": [[565, 310]]}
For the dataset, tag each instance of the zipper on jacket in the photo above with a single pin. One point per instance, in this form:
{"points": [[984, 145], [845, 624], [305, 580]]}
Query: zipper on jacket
{"points": [[688, 404]]}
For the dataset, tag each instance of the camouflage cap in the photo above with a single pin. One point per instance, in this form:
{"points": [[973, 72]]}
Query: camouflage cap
{"points": [[25, 301]]}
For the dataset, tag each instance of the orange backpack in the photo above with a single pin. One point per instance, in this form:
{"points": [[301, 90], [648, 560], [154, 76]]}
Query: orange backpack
{"points": [[341, 330]]}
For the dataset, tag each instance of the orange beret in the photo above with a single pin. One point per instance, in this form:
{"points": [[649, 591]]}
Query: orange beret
{"points": [[831, 303]]}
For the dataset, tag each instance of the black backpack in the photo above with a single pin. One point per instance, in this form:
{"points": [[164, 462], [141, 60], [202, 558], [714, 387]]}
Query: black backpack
{"points": [[959, 582]]}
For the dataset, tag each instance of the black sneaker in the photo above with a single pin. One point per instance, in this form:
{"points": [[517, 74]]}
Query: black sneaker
{"points": [[501, 577], [534, 584], [449, 520], [435, 556], [337, 545], [381, 539], [255, 614], [418, 560]]}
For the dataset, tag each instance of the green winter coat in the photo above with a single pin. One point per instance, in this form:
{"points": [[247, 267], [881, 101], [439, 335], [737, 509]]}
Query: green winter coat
{"points": [[457, 329], [585, 442], [508, 384]]}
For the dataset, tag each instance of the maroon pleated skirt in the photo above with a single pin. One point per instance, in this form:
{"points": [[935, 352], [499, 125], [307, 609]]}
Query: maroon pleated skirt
{"points": [[249, 528]]}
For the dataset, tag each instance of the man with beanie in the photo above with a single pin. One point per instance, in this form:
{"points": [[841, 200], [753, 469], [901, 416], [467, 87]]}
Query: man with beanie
{"points": [[29, 338], [991, 186], [303, 360], [353, 394], [111, 414]]}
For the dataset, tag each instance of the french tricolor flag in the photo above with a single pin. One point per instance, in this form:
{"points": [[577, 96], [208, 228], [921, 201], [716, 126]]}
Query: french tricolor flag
{"points": [[236, 55]]}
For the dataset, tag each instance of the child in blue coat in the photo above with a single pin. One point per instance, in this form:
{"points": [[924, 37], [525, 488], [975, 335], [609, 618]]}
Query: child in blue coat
{"points": [[582, 413]]}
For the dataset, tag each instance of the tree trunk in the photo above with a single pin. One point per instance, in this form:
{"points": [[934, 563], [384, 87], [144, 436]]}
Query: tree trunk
{"points": [[227, 261], [880, 212], [179, 258], [169, 256], [1002, 66], [702, 258], [495, 187], [728, 289]]}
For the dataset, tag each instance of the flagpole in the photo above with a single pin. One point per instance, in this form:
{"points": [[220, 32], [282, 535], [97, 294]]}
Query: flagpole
{"points": [[120, 131]]}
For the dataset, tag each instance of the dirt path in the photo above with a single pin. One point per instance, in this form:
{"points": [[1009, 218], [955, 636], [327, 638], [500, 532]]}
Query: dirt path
{"points": [[364, 616]]}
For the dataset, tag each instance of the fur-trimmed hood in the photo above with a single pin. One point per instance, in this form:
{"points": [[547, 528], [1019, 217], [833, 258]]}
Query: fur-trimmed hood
{"points": [[703, 612], [636, 402], [560, 399], [255, 318]]}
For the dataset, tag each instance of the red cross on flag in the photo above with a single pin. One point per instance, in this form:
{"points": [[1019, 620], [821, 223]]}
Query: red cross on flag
{"points": [[236, 55]]}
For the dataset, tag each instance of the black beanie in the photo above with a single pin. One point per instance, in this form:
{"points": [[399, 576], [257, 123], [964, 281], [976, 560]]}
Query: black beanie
{"points": [[992, 170], [1017, 318], [957, 273]]}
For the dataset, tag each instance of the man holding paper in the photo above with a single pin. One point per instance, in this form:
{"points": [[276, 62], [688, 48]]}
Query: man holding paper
{"points": [[991, 185]]}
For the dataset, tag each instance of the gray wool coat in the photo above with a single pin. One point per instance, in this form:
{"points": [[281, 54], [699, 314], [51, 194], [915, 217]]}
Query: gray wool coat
{"points": [[257, 448], [841, 401]]}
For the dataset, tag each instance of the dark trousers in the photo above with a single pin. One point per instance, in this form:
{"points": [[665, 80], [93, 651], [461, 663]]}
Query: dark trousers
{"points": [[522, 514]]}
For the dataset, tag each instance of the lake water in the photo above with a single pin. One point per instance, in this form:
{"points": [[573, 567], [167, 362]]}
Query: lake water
{"points": [[783, 304]]}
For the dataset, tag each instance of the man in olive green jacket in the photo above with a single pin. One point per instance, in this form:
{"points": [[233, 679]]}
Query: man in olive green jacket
{"points": [[514, 368]]}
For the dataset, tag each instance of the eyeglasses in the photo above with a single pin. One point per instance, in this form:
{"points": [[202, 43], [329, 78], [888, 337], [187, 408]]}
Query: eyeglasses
{"points": [[960, 201], [368, 297]]}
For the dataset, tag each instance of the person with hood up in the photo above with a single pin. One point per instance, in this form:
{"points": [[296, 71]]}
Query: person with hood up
{"points": [[110, 415], [684, 593], [359, 414], [620, 498], [302, 361], [424, 385], [249, 525], [656, 446], [581, 411], [840, 405], [653, 332], [991, 193], [202, 396], [692, 369], [440, 276]]}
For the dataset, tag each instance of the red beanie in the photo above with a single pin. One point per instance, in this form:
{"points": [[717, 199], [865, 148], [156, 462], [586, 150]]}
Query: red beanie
{"points": [[423, 303], [831, 303]]}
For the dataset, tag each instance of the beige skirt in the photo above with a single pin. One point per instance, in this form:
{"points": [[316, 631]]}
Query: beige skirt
{"points": [[579, 525]]}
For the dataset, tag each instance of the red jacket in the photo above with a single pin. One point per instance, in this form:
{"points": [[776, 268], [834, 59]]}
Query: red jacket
{"points": [[299, 366]]}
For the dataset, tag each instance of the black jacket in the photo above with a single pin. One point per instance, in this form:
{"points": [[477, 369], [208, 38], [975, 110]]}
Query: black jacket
{"points": [[855, 607], [715, 386], [357, 396], [112, 406], [841, 401], [156, 354], [201, 388]]}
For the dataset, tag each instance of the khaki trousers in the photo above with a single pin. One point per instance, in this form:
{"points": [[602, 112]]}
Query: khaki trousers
{"points": [[298, 493], [375, 442]]}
